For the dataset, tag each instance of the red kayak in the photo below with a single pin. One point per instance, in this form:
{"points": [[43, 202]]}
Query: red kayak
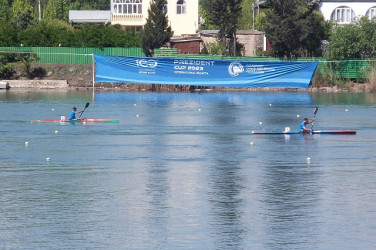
{"points": [[79, 120]]}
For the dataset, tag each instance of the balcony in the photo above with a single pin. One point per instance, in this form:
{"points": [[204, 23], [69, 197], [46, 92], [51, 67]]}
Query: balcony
{"points": [[128, 19]]}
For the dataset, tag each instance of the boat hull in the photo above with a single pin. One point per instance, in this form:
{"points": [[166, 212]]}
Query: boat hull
{"points": [[79, 120], [331, 132]]}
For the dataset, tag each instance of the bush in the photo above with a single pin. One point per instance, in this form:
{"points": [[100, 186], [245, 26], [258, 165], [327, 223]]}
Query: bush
{"points": [[49, 34], [7, 71], [356, 40]]}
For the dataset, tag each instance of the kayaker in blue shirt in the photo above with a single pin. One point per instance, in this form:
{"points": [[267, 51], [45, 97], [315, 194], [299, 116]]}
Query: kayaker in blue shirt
{"points": [[72, 115], [302, 127]]}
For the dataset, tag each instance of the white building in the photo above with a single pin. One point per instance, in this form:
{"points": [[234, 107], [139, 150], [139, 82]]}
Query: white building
{"points": [[344, 12], [182, 15]]}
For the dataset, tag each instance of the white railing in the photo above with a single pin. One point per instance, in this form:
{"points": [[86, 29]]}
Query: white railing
{"points": [[128, 19]]}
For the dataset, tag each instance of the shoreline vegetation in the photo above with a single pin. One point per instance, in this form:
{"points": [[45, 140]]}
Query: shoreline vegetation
{"points": [[80, 76]]}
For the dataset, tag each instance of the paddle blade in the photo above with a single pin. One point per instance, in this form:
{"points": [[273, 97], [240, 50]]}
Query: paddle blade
{"points": [[86, 105], [315, 111]]}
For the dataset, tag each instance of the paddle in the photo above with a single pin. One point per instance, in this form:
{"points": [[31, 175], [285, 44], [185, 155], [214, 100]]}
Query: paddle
{"points": [[314, 116], [87, 105]]}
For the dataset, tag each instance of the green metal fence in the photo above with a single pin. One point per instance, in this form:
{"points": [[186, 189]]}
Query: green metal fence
{"points": [[72, 55], [346, 69]]}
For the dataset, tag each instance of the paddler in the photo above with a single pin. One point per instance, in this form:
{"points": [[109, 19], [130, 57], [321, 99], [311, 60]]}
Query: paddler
{"points": [[72, 115], [302, 127]]}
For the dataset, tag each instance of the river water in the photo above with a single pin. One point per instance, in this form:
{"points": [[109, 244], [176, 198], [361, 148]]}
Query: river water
{"points": [[183, 171]]}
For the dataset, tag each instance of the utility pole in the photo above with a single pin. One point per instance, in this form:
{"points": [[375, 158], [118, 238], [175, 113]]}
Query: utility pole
{"points": [[40, 11], [253, 18]]}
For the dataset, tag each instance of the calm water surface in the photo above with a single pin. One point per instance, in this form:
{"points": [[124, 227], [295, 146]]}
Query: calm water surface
{"points": [[183, 171]]}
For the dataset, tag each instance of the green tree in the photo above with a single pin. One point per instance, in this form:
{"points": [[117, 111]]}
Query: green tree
{"points": [[4, 11], [294, 27], [94, 35], [22, 15], [49, 33], [20, 6], [7, 70], [8, 35], [156, 31], [27, 59], [224, 14], [246, 17], [356, 40]]}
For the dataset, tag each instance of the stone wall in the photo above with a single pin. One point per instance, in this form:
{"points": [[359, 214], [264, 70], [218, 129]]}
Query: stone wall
{"points": [[252, 40], [42, 84]]}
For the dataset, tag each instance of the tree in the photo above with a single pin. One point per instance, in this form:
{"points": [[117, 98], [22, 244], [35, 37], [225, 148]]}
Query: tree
{"points": [[156, 31], [94, 35], [22, 14], [49, 33], [356, 40], [7, 70], [225, 15], [8, 35], [56, 9], [27, 59], [294, 27], [20, 6], [246, 17], [4, 11]]}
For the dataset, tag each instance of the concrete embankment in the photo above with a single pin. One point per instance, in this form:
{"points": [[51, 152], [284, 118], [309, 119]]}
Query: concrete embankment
{"points": [[41, 84]]}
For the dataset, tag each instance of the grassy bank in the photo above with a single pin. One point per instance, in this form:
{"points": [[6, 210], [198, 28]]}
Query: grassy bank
{"points": [[81, 76]]}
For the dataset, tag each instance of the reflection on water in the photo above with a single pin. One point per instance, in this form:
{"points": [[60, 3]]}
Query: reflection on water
{"points": [[183, 171]]}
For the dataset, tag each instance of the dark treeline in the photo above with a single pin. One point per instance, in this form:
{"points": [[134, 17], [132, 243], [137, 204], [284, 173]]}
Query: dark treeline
{"points": [[23, 23]]}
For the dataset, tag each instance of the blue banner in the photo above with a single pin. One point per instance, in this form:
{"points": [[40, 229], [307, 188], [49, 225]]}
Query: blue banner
{"points": [[203, 72]]}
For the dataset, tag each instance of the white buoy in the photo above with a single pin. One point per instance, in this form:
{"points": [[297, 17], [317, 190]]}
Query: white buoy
{"points": [[56, 131], [26, 143], [199, 110], [298, 116], [270, 104], [135, 105], [251, 143], [137, 115], [260, 123], [346, 110], [52, 109], [48, 159], [83, 122], [308, 159]]}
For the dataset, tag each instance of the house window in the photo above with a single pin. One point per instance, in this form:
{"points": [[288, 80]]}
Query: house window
{"points": [[371, 13], [181, 7], [343, 14], [127, 6]]}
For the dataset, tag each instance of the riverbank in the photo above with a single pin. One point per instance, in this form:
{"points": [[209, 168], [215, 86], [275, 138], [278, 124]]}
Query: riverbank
{"points": [[81, 76]]}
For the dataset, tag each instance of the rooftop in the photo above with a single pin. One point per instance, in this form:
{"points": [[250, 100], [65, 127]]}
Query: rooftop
{"points": [[90, 16]]}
